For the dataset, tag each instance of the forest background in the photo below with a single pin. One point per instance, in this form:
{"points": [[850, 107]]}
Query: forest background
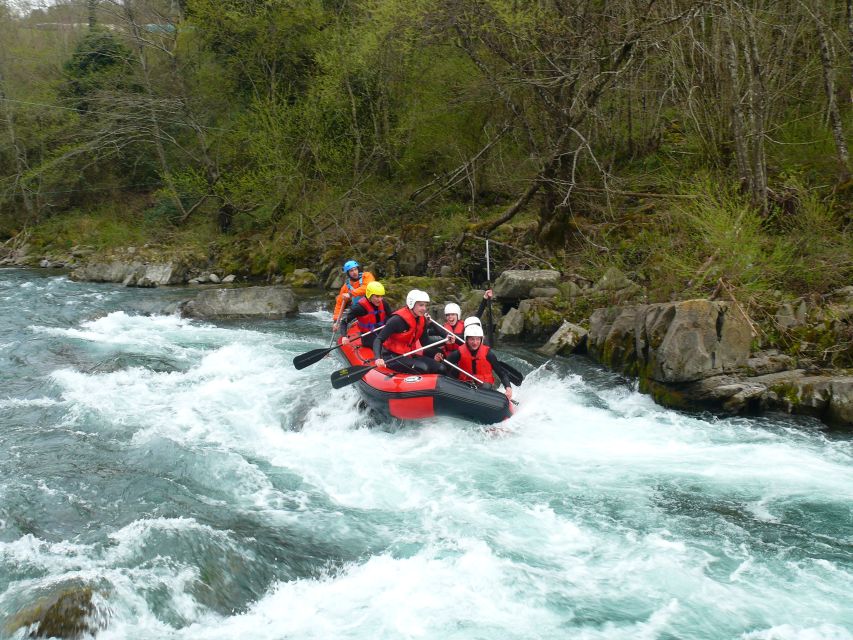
{"points": [[699, 147]]}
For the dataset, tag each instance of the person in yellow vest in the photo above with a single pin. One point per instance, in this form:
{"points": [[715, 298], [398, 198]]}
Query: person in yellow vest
{"points": [[478, 360], [371, 312], [351, 291]]}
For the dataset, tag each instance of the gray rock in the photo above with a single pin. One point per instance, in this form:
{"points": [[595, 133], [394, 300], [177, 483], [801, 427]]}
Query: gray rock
{"points": [[255, 302], [790, 315], [214, 278], [671, 342], [517, 284], [767, 362], [569, 289], [544, 292], [565, 340], [335, 280], [303, 279], [446, 271], [132, 273], [229, 279], [512, 324], [613, 280]]}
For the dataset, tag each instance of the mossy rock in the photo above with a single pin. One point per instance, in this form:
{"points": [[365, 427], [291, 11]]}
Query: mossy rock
{"points": [[664, 395], [69, 614], [439, 289]]}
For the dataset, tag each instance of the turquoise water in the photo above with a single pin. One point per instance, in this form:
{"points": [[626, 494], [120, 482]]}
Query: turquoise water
{"points": [[206, 489]]}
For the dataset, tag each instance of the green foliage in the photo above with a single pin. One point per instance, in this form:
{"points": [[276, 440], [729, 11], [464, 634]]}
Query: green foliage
{"points": [[99, 61]]}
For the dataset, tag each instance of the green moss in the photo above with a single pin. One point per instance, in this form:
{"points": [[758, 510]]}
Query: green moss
{"points": [[663, 394]]}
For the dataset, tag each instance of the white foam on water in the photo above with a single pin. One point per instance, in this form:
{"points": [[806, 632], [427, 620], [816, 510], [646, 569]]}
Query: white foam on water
{"points": [[14, 403], [796, 632], [580, 522]]}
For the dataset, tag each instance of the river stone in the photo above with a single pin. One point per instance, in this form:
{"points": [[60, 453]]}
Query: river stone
{"points": [[565, 340], [516, 284], [302, 279], [671, 342], [770, 361], [827, 397], [254, 302], [70, 614], [512, 324], [131, 274]]}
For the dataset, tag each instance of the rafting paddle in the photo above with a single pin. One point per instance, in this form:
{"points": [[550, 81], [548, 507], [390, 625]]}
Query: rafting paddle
{"points": [[346, 376], [514, 375], [315, 355]]}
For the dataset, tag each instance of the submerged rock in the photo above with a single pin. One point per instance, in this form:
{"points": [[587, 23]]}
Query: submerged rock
{"points": [[70, 614]]}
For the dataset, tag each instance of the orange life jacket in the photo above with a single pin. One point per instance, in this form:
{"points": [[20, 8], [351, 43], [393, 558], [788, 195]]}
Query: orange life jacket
{"points": [[450, 348], [476, 364], [409, 339], [375, 316]]}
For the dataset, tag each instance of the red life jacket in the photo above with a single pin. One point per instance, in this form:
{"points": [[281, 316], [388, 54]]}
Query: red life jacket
{"points": [[450, 348], [409, 339], [375, 316], [476, 364]]}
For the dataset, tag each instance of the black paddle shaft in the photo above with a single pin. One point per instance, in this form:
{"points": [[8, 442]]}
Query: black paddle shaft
{"points": [[315, 355]]}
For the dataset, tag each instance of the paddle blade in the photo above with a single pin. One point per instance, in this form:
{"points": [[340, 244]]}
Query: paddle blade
{"points": [[343, 377], [514, 375], [310, 357]]}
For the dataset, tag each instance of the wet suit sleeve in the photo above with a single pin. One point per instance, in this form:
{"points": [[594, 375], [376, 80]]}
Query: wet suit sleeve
{"points": [[453, 357], [481, 308], [395, 324], [496, 367], [351, 314]]}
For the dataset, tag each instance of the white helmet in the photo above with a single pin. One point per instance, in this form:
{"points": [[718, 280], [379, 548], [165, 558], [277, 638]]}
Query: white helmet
{"points": [[452, 307], [473, 331], [472, 320], [416, 295]]}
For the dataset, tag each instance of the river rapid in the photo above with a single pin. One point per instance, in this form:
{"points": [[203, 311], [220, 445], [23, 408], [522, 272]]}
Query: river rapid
{"points": [[203, 488]]}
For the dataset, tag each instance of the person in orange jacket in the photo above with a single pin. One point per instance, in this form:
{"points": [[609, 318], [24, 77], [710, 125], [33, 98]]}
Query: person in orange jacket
{"points": [[352, 290]]}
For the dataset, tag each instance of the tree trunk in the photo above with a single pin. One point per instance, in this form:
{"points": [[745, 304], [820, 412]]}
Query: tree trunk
{"points": [[20, 155], [91, 5], [156, 130], [850, 43], [758, 110], [737, 115], [826, 59]]}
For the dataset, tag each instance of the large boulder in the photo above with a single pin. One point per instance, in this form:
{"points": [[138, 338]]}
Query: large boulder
{"points": [[517, 284], [565, 340], [302, 279], [249, 302], [131, 274], [671, 342]]}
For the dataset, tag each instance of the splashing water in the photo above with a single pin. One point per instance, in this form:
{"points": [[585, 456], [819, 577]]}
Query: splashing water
{"points": [[206, 489]]}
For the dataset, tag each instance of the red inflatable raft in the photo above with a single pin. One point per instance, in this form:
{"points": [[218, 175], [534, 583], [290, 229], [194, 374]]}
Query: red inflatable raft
{"points": [[413, 396]]}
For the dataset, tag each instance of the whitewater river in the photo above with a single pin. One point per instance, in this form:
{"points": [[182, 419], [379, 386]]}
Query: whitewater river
{"points": [[205, 489]]}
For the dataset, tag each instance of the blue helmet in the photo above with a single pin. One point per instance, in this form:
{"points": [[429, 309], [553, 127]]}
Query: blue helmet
{"points": [[350, 264]]}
